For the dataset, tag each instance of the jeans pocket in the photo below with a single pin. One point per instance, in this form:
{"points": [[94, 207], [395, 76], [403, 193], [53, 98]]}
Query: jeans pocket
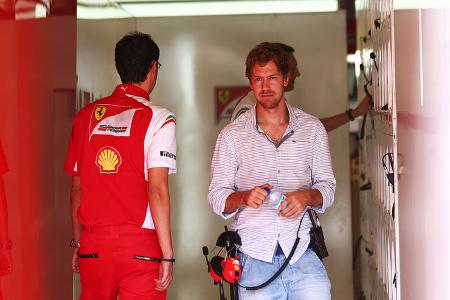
{"points": [[242, 259], [246, 266]]}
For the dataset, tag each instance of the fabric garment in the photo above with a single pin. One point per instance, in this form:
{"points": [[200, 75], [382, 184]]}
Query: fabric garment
{"points": [[115, 270], [244, 104], [3, 164], [306, 279], [3, 170], [114, 141], [244, 157]]}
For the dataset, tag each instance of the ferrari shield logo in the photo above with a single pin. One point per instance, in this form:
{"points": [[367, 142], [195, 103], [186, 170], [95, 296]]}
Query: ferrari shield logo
{"points": [[99, 112], [224, 96]]}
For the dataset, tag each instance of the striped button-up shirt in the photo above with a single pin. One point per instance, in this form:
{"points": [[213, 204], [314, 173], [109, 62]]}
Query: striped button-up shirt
{"points": [[245, 157]]}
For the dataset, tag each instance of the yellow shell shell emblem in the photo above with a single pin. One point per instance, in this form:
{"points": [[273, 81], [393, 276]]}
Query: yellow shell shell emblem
{"points": [[99, 112], [108, 160]]}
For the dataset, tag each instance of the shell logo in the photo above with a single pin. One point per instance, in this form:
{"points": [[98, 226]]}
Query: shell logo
{"points": [[108, 160]]}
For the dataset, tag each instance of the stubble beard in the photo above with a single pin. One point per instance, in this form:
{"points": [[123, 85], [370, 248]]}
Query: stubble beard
{"points": [[270, 104]]}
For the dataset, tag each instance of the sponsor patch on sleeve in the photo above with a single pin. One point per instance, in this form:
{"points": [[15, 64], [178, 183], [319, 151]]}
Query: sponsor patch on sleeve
{"points": [[169, 119], [168, 154]]}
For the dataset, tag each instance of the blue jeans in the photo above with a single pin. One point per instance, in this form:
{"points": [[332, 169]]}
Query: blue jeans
{"points": [[307, 279]]}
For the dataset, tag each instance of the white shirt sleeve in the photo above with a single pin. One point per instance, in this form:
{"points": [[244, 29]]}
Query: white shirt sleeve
{"points": [[223, 172], [163, 148], [161, 145]]}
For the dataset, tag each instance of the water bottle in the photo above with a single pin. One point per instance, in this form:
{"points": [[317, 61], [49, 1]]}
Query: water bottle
{"points": [[275, 198]]}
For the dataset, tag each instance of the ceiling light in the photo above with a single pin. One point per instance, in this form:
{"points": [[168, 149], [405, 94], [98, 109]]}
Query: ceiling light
{"points": [[420, 4], [205, 8]]}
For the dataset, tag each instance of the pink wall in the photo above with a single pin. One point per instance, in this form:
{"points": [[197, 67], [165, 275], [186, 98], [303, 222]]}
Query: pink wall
{"points": [[38, 71], [422, 45]]}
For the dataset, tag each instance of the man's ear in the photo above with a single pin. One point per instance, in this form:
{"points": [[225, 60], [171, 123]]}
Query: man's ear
{"points": [[153, 68], [152, 71], [286, 80], [250, 84]]}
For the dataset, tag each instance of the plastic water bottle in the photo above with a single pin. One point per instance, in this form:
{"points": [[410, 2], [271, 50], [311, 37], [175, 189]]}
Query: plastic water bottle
{"points": [[275, 198]]}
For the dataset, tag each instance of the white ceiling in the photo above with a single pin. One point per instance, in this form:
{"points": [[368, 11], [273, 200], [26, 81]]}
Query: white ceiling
{"points": [[108, 9]]}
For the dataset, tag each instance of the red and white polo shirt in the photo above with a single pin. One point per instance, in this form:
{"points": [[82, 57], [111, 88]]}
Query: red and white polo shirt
{"points": [[114, 141], [3, 164]]}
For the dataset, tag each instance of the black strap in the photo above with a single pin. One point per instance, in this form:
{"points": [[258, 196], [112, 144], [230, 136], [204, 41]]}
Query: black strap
{"points": [[221, 291], [311, 217], [269, 281], [91, 255], [141, 257], [286, 262]]}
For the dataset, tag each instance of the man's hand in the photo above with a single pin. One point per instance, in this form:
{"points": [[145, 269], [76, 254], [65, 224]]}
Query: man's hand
{"points": [[295, 204], [5, 261], [165, 275], [75, 261], [256, 196], [362, 107]]}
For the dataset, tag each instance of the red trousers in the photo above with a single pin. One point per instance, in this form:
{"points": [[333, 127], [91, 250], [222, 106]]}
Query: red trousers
{"points": [[108, 266]]}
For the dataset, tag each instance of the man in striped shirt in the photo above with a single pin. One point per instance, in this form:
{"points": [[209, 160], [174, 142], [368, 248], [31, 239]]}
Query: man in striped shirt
{"points": [[282, 148]]}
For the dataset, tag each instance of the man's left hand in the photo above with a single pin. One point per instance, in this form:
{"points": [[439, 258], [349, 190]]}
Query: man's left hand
{"points": [[294, 205], [165, 276]]}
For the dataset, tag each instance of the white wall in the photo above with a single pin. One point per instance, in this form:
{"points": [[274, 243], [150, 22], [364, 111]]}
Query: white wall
{"points": [[96, 71], [198, 53], [422, 84]]}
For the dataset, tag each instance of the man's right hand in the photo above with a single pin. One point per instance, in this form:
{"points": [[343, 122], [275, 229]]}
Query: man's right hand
{"points": [[256, 196], [75, 261], [363, 107]]}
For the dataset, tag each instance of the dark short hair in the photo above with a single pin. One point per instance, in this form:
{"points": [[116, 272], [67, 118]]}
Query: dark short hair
{"points": [[134, 55], [265, 52], [286, 48]]}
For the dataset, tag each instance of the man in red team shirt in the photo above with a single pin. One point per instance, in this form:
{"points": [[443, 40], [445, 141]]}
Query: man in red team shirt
{"points": [[121, 151], [5, 243]]}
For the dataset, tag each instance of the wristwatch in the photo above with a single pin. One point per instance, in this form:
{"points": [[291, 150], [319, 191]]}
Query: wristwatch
{"points": [[349, 114], [74, 244]]}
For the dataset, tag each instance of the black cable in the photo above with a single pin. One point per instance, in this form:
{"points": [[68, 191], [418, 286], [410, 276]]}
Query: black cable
{"points": [[363, 127], [377, 23], [366, 186], [355, 251], [389, 174], [361, 68], [285, 263], [370, 96], [373, 56], [221, 291]]}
